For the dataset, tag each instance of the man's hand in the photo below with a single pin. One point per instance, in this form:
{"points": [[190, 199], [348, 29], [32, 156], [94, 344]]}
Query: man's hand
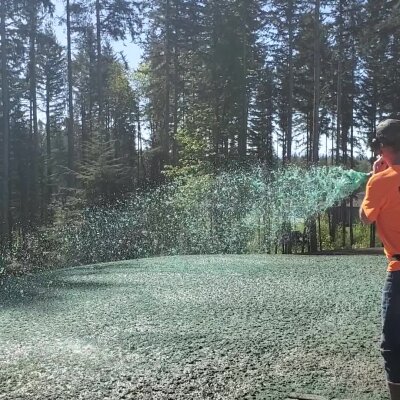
{"points": [[364, 218], [380, 165]]}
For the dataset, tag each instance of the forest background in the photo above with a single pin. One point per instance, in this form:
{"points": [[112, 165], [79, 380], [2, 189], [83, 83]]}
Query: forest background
{"points": [[220, 84]]}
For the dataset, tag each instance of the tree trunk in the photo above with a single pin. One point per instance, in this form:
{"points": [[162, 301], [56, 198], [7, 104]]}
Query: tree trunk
{"points": [[165, 143], [332, 146], [317, 84], [344, 222], [34, 108], [99, 72], [70, 127], [320, 233], [327, 152], [92, 73], [242, 139], [351, 222], [175, 116], [353, 88], [291, 83], [48, 146], [176, 88], [317, 95], [339, 106], [84, 128], [139, 149], [5, 228], [216, 122], [308, 138]]}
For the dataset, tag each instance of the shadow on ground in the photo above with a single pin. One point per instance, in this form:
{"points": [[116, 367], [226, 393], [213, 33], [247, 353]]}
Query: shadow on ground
{"points": [[45, 288]]}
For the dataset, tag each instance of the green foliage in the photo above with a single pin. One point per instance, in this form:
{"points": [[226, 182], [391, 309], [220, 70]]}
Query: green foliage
{"points": [[361, 236], [103, 177], [193, 162]]}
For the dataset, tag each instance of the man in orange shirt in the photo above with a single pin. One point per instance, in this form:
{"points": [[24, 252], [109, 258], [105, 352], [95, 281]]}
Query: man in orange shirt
{"points": [[382, 205]]}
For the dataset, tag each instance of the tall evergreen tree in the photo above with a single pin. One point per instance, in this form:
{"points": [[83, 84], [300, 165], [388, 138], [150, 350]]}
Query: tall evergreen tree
{"points": [[34, 13], [5, 140], [317, 83], [285, 18], [115, 20], [70, 125], [263, 116], [51, 68]]}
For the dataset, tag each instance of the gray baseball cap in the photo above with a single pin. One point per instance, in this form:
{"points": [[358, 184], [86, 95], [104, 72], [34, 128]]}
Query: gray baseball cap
{"points": [[387, 134]]}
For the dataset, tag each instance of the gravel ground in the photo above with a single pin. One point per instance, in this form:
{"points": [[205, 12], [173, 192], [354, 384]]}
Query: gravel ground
{"points": [[195, 327]]}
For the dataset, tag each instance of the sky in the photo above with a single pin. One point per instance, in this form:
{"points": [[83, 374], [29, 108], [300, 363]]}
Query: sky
{"points": [[131, 51]]}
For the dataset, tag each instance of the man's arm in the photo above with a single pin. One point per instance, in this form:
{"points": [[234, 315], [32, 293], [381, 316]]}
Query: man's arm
{"points": [[373, 198]]}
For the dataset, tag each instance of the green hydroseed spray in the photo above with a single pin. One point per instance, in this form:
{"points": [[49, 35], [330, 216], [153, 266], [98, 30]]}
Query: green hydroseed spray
{"points": [[240, 211]]}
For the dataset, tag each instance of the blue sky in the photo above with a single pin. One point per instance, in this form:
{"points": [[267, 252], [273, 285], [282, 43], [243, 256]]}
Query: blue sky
{"points": [[131, 51]]}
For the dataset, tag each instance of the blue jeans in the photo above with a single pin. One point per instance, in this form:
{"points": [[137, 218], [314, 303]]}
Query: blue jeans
{"points": [[390, 345]]}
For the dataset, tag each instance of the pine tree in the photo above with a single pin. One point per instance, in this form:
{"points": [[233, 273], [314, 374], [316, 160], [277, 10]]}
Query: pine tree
{"points": [[114, 19], [263, 116], [122, 106], [261, 131], [32, 17], [5, 226], [285, 18], [102, 176], [70, 124], [317, 88], [84, 66], [51, 68], [19, 139]]}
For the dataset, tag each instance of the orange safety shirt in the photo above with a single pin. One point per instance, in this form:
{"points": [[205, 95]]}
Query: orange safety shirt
{"points": [[382, 205]]}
